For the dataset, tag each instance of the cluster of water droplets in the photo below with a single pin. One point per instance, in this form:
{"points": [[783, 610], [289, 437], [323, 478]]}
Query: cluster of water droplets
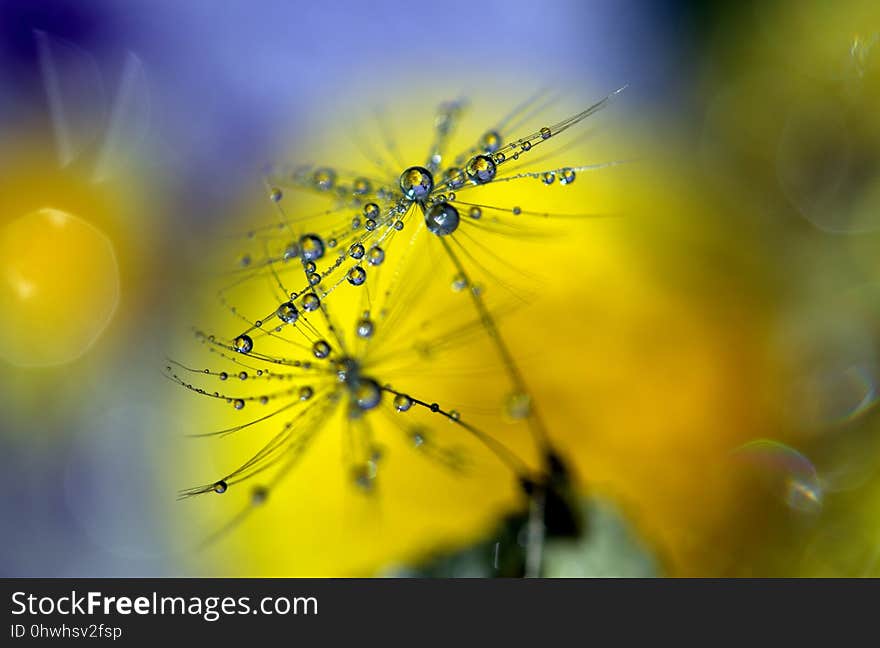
{"points": [[376, 211]]}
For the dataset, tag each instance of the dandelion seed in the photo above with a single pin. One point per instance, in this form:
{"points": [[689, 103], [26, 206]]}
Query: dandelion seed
{"points": [[352, 348]]}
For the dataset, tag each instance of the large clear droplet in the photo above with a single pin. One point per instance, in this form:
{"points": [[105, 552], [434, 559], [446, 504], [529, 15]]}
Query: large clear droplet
{"points": [[311, 247], [368, 394], [442, 219], [481, 169], [416, 183]]}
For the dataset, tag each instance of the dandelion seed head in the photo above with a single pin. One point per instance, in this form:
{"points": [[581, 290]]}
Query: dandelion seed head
{"points": [[395, 329]]}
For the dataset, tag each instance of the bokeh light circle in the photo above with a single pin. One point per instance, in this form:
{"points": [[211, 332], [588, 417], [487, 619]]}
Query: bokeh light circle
{"points": [[59, 287]]}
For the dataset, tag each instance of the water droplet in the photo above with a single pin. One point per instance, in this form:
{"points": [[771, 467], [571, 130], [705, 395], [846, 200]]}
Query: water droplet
{"points": [[356, 276], [435, 407], [416, 183], [356, 251], [355, 222], [243, 344], [481, 169], [368, 394], [264, 400], [311, 247], [398, 225], [499, 158], [220, 487], [526, 145], [310, 302], [518, 406], [291, 251], [490, 141], [275, 194], [545, 133], [402, 402], [363, 477], [516, 211], [305, 393], [310, 266], [548, 177], [376, 256], [566, 176], [369, 225], [324, 178], [459, 282], [259, 495], [442, 219], [454, 415], [371, 210], [238, 403], [314, 279], [361, 186], [287, 313], [365, 328], [455, 178], [321, 349], [475, 212], [242, 375], [418, 438]]}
